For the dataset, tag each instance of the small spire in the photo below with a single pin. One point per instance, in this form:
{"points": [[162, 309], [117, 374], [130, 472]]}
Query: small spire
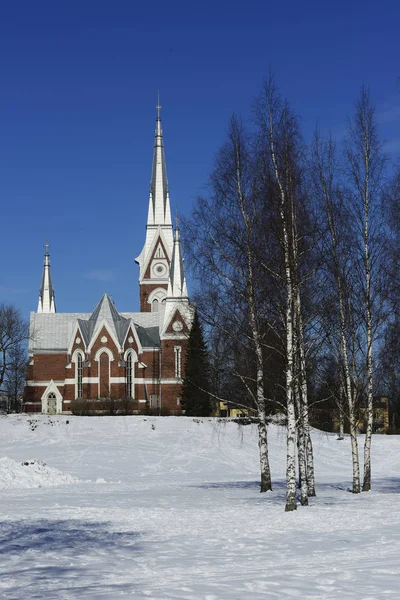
{"points": [[177, 287], [46, 302]]}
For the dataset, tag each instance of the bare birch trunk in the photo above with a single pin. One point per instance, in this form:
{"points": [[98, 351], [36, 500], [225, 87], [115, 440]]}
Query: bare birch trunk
{"points": [[341, 425], [340, 407], [304, 403], [326, 185], [301, 449], [291, 417], [266, 484], [368, 310], [291, 503], [370, 409], [366, 166]]}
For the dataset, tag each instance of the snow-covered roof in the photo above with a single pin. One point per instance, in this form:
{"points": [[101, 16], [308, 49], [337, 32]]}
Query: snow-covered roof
{"points": [[51, 332]]}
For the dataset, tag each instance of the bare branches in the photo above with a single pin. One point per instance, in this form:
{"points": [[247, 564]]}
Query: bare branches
{"points": [[13, 332]]}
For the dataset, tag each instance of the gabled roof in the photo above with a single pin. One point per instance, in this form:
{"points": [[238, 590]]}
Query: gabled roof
{"points": [[52, 332], [106, 313]]}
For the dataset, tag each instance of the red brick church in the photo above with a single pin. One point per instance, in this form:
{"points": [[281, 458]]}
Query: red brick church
{"points": [[112, 354]]}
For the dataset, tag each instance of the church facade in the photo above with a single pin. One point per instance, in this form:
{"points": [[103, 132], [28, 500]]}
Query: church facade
{"points": [[110, 354]]}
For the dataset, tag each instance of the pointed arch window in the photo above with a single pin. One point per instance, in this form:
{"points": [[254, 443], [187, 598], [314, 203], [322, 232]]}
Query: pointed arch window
{"points": [[129, 376], [154, 305], [178, 361], [79, 376]]}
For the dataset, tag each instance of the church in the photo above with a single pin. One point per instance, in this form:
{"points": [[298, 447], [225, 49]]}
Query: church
{"points": [[111, 354]]}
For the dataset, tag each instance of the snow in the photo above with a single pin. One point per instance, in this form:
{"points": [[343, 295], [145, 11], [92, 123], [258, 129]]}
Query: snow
{"points": [[30, 474], [169, 508]]}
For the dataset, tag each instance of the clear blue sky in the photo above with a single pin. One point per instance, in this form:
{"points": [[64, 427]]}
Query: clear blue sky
{"points": [[78, 88]]}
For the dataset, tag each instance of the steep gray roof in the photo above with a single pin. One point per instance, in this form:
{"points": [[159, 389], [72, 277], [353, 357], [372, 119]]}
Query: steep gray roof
{"points": [[51, 332]]}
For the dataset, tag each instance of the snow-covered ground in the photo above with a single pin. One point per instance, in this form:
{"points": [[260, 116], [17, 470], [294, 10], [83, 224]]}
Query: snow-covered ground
{"points": [[169, 508]]}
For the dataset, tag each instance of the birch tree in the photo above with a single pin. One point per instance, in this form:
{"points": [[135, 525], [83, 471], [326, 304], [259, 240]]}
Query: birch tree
{"points": [[365, 164], [339, 266], [280, 138], [224, 231]]}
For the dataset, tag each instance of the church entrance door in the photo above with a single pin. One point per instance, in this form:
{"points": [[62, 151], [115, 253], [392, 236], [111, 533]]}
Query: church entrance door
{"points": [[51, 404]]}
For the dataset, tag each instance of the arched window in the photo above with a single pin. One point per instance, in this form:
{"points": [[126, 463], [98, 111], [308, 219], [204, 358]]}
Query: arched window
{"points": [[178, 362], [129, 366], [79, 376], [104, 375], [156, 298]]}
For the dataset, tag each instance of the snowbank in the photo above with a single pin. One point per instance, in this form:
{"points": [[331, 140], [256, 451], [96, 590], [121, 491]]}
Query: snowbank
{"points": [[30, 474]]}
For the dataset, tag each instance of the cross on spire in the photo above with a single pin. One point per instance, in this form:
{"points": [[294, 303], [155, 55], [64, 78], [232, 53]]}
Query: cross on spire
{"points": [[158, 107]]}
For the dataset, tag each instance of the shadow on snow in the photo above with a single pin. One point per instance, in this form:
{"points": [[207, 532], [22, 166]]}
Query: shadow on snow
{"points": [[42, 556], [53, 536], [326, 492]]}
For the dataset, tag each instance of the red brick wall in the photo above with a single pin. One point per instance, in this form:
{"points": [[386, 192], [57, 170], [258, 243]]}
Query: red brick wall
{"points": [[168, 356], [170, 393], [49, 366]]}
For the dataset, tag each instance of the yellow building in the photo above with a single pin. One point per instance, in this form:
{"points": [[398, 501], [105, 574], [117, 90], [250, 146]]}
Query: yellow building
{"points": [[232, 410]]}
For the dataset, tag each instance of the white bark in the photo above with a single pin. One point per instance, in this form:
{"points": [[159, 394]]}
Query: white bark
{"points": [[291, 503], [326, 185], [304, 402], [266, 484]]}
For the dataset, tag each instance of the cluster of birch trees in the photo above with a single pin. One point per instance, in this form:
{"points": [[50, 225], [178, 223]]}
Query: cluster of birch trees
{"points": [[292, 250]]}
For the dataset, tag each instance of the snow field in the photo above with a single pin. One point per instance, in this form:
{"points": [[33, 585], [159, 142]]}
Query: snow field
{"points": [[169, 508]]}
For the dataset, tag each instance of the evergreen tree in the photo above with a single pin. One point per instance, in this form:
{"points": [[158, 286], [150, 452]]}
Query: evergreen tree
{"points": [[196, 400]]}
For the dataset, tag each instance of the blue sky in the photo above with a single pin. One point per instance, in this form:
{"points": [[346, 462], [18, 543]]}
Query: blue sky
{"points": [[78, 91]]}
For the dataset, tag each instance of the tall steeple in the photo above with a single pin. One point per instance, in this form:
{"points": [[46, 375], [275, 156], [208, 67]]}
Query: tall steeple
{"points": [[159, 206], [155, 257], [46, 302]]}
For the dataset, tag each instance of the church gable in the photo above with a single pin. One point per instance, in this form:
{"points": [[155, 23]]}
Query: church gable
{"points": [[132, 341], [77, 340], [158, 258], [104, 339], [177, 325]]}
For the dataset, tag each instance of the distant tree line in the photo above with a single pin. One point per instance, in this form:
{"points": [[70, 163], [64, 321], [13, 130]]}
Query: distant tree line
{"points": [[295, 250]]}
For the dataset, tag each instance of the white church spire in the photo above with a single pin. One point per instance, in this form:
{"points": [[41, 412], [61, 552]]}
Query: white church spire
{"points": [[46, 302], [157, 248], [159, 206]]}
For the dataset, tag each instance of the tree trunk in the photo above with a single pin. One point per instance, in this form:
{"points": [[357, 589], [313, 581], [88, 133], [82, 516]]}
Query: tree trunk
{"points": [[266, 484], [370, 409], [304, 403], [301, 450], [354, 453], [341, 425]]}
